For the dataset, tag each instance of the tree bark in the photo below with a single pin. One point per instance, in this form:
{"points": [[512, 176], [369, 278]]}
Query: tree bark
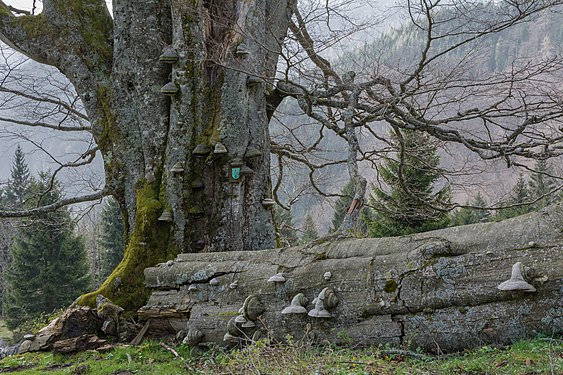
{"points": [[436, 290], [142, 133]]}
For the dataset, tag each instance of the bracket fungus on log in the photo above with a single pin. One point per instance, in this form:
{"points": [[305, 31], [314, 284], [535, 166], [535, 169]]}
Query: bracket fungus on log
{"points": [[177, 168], [297, 305], [325, 301], [277, 278], [517, 282], [201, 150], [220, 149], [252, 152], [423, 290]]}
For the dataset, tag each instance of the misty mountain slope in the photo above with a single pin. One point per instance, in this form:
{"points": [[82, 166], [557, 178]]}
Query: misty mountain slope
{"points": [[399, 49]]}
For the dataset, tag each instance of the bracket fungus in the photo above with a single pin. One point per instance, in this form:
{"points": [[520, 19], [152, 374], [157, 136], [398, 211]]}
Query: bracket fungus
{"points": [[219, 149], [166, 216], [169, 89], [193, 337], [201, 150], [327, 276], [252, 307], [252, 152], [214, 281], [197, 184], [517, 281], [325, 301], [242, 50], [192, 287], [253, 80], [268, 202], [177, 168], [277, 278], [169, 56], [246, 170], [297, 305]]}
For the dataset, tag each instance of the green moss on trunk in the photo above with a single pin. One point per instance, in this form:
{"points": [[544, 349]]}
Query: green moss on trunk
{"points": [[148, 245]]}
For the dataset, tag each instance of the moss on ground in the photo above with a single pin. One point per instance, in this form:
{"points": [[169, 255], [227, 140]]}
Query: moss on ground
{"points": [[539, 356]]}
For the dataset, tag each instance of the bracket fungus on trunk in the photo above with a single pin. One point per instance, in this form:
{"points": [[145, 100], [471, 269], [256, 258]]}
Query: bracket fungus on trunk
{"points": [[169, 89], [517, 281]]}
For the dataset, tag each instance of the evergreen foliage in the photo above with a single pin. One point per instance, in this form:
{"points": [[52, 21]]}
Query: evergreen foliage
{"points": [[49, 267], [472, 215], [341, 206], [406, 207], [519, 198], [112, 238], [19, 183], [309, 230], [541, 184], [285, 228]]}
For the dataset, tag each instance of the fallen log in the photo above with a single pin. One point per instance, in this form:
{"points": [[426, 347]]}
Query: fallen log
{"points": [[435, 290]]}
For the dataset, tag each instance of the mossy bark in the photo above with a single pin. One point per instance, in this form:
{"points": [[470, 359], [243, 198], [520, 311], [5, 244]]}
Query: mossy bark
{"points": [[114, 65]]}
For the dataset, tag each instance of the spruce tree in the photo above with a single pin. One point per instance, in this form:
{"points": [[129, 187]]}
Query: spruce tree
{"points": [[309, 230], [112, 238], [471, 215], [19, 183], [519, 198], [49, 267], [407, 206], [541, 184], [12, 197], [285, 228], [342, 204]]}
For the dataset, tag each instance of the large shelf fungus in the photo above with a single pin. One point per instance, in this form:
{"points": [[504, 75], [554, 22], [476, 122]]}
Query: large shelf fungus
{"points": [[169, 89], [297, 305], [169, 56], [277, 278], [325, 301], [517, 281]]}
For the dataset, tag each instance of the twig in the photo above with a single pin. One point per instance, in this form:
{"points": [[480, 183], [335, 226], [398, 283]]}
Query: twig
{"points": [[172, 351]]}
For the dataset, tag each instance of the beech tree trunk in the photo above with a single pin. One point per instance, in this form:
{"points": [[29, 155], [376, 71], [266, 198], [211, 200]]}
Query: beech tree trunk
{"points": [[436, 290], [142, 133]]}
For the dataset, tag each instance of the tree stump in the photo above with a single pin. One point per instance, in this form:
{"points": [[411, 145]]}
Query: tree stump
{"points": [[435, 290]]}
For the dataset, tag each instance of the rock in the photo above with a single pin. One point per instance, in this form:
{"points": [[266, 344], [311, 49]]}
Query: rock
{"points": [[109, 312]]}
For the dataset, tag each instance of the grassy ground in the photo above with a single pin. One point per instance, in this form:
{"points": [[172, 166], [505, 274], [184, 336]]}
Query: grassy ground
{"points": [[539, 356]]}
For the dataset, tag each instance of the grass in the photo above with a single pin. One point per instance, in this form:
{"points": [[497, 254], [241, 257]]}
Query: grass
{"points": [[539, 356]]}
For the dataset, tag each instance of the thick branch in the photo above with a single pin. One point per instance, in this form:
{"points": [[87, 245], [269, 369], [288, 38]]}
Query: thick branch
{"points": [[55, 206]]}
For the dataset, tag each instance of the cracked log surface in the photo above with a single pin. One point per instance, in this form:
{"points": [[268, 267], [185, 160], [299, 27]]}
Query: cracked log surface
{"points": [[436, 290]]}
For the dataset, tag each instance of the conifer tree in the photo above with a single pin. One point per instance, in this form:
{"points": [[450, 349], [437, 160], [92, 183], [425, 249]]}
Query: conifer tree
{"points": [[407, 206], [19, 183], [49, 267], [285, 228], [541, 184], [12, 197], [309, 230], [112, 239], [341, 205], [519, 198], [471, 215]]}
